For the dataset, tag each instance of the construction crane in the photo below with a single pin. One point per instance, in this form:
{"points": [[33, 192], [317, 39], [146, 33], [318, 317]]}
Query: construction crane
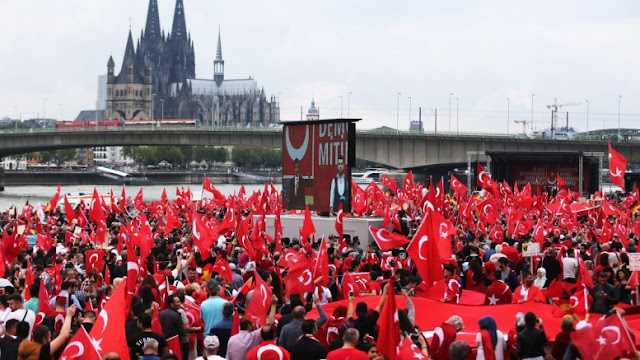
{"points": [[554, 113], [524, 124]]}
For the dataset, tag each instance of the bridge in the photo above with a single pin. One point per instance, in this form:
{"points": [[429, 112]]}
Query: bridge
{"points": [[396, 149]]}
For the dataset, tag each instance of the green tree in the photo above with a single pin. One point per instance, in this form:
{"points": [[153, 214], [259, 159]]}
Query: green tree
{"points": [[171, 154]]}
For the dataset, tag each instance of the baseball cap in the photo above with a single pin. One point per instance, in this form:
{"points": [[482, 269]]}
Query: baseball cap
{"points": [[211, 342]]}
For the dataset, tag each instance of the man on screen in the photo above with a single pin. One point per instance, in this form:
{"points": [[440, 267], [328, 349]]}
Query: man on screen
{"points": [[340, 190], [297, 187]]}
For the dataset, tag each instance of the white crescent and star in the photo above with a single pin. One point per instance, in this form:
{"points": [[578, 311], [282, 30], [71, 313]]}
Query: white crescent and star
{"points": [[615, 329], [76, 344], [422, 240]]}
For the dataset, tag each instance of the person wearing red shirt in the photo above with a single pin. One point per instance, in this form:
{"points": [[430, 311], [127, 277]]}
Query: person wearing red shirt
{"points": [[528, 292], [192, 276], [268, 350], [348, 351], [452, 288], [443, 336]]}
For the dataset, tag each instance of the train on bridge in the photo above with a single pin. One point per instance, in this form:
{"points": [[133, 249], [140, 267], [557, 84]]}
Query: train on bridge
{"points": [[116, 124]]}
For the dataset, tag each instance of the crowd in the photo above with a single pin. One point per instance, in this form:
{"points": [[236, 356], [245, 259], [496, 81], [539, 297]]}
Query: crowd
{"points": [[204, 280]]}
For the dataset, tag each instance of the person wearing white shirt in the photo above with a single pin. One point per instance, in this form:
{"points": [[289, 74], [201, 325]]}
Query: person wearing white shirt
{"points": [[569, 267], [19, 313]]}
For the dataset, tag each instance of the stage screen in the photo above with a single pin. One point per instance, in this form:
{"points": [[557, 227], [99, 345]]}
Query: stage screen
{"points": [[316, 164]]}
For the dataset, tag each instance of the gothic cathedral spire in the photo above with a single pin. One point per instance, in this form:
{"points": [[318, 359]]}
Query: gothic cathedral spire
{"points": [[152, 27], [179, 28], [218, 63]]}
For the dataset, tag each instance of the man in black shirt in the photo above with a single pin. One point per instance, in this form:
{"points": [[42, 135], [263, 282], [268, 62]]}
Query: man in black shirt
{"points": [[531, 340], [364, 322], [308, 347], [136, 342], [10, 342], [603, 294]]}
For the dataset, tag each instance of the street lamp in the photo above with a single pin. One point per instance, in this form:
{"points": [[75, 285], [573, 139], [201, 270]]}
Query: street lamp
{"points": [[532, 95], [398, 114], [457, 118], [161, 111], [450, 95], [152, 100], [341, 105], [348, 104], [409, 109], [587, 101], [619, 99], [508, 114]]}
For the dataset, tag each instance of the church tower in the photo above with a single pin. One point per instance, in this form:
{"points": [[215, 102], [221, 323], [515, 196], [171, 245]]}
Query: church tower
{"points": [[218, 63], [180, 51]]}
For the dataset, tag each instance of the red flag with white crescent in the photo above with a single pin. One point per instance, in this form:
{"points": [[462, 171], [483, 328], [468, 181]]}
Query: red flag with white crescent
{"points": [[617, 167], [386, 239], [54, 200], [260, 301], [94, 259], [423, 250], [80, 347], [107, 333]]}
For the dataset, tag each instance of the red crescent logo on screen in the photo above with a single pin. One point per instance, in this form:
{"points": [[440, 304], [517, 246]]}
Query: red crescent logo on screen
{"points": [[297, 153]]}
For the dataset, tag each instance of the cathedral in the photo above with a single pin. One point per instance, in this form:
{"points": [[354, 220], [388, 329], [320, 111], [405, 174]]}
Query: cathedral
{"points": [[157, 80]]}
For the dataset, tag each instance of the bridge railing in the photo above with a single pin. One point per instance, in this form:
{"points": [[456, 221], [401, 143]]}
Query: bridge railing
{"points": [[596, 138]]}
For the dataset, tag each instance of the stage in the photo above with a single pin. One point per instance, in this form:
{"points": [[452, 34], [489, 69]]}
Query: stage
{"points": [[352, 226]]}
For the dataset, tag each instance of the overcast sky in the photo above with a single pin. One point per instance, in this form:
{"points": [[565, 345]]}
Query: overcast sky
{"points": [[481, 51]]}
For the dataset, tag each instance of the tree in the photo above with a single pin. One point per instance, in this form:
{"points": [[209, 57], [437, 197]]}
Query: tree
{"points": [[253, 157], [210, 154]]}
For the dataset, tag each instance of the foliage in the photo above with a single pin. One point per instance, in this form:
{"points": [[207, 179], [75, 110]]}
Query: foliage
{"points": [[58, 156], [210, 154], [255, 157]]}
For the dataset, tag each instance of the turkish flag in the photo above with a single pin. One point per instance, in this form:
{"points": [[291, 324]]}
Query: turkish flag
{"points": [[107, 332], [497, 234], [260, 302], [68, 210], [123, 201], [498, 293], [540, 232], [617, 167], [390, 183], [321, 268], [138, 201], [45, 242], [80, 347], [202, 236], [409, 350], [223, 269], [95, 208], [171, 221], [156, 325], [173, 343], [44, 304], [389, 334], [457, 186], [94, 259], [407, 183], [349, 285], [560, 182], [488, 211], [54, 200], [485, 182], [339, 224], [299, 279], [386, 239], [133, 271], [208, 186], [423, 249], [606, 340], [307, 225]]}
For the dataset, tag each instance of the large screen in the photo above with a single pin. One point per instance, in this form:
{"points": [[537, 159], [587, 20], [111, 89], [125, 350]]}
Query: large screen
{"points": [[316, 165]]}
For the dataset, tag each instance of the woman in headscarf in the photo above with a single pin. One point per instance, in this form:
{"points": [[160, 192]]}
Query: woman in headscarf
{"points": [[541, 279], [490, 340]]}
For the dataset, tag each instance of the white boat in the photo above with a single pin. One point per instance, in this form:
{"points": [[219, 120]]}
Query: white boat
{"points": [[75, 199], [374, 174]]}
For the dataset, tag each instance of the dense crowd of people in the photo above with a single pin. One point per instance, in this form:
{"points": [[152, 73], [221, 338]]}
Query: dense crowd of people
{"points": [[204, 280]]}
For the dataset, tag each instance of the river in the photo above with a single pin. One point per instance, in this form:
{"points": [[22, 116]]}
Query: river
{"points": [[18, 195]]}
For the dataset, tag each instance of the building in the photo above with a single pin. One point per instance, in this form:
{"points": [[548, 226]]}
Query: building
{"points": [[101, 102], [157, 80], [313, 113], [14, 163]]}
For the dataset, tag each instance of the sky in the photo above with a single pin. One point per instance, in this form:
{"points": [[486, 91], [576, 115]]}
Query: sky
{"points": [[461, 58]]}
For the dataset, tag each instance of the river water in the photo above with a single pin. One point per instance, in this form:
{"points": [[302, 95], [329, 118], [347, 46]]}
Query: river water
{"points": [[18, 195]]}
